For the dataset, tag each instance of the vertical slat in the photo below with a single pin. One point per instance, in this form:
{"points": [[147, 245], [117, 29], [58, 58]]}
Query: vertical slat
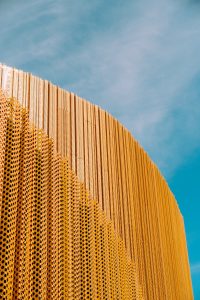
{"points": [[119, 175], [99, 170], [73, 131]]}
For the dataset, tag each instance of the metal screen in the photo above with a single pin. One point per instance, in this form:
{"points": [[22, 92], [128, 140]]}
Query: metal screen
{"points": [[75, 141]]}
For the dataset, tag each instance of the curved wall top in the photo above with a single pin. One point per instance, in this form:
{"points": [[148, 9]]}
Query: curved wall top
{"points": [[119, 174]]}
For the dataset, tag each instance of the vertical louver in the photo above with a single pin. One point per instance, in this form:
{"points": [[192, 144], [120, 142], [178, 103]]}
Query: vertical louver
{"points": [[85, 213]]}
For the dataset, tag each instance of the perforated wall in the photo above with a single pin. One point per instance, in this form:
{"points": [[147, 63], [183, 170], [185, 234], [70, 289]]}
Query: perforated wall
{"points": [[55, 241], [119, 175]]}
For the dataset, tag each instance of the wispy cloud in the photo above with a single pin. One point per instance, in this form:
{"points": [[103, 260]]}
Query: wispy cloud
{"points": [[137, 59], [195, 268]]}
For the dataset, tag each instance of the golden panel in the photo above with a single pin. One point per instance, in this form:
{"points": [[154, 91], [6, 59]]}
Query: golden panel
{"points": [[85, 144], [55, 241]]}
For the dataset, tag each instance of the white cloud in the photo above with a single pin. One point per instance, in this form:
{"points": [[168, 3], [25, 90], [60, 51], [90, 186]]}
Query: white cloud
{"points": [[141, 72], [195, 268], [138, 62]]}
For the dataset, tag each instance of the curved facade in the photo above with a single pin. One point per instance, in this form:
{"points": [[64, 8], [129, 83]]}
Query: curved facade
{"points": [[94, 218]]}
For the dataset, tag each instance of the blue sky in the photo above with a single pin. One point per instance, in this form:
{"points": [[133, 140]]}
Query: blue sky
{"points": [[139, 60]]}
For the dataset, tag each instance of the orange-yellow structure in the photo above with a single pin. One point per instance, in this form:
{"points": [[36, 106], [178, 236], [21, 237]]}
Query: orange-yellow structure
{"points": [[84, 212]]}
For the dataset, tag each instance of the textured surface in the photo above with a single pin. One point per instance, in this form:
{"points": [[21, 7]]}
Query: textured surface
{"points": [[56, 242], [119, 175]]}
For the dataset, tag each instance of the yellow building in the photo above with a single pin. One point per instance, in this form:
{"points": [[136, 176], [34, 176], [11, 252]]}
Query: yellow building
{"points": [[84, 212]]}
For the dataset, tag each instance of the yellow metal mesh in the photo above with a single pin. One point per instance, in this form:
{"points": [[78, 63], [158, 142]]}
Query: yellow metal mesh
{"points": [[55, 241], [117, 172]]}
